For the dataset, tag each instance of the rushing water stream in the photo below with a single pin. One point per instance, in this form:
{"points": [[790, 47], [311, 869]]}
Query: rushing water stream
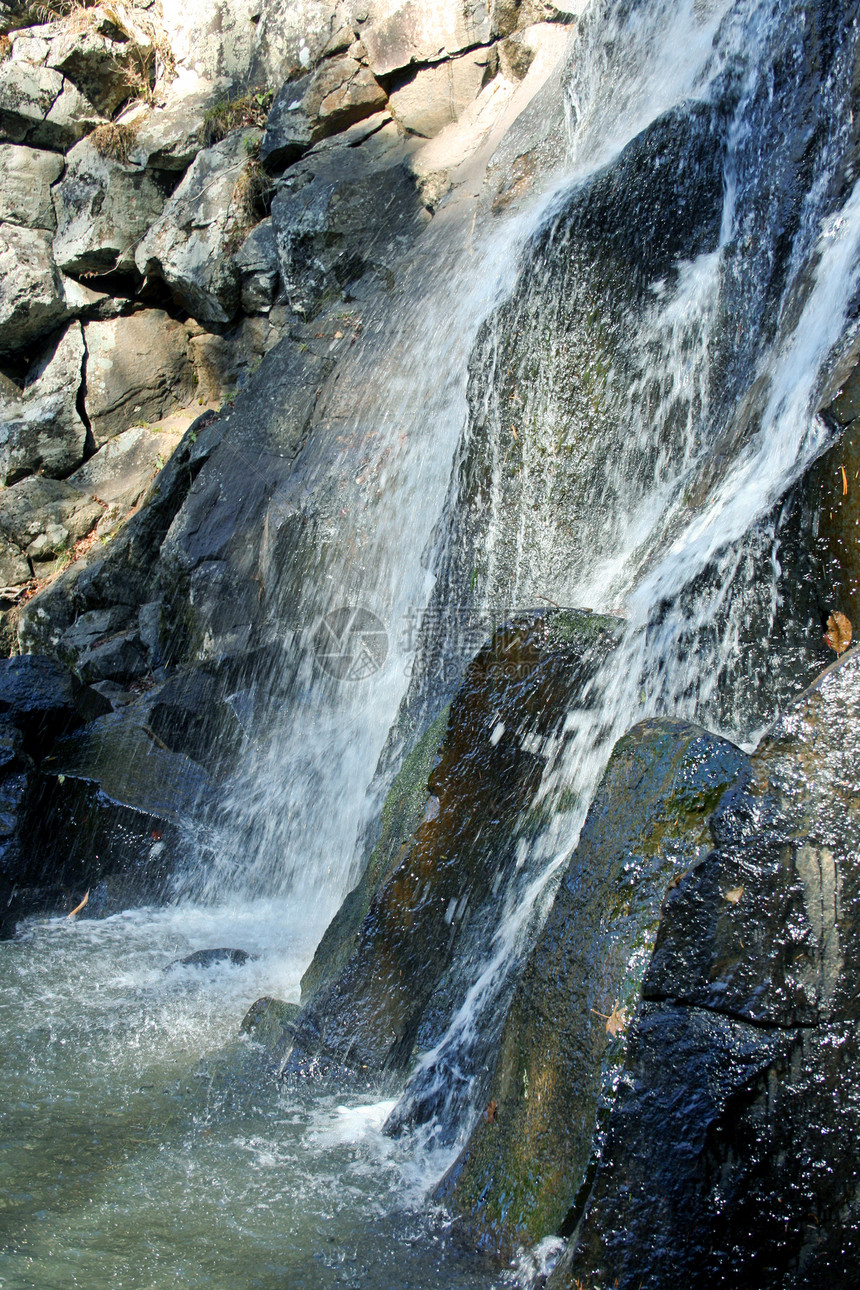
{"points": [[146, 1144]]}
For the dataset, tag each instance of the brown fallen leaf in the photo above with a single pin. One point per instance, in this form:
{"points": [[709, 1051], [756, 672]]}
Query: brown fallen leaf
{"points": [[734, 895], [844, 483], [839, 632], [616, 1021], [77, 909], [491, 1112]]}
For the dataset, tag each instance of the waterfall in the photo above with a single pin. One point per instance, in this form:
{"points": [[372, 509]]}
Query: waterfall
{"points": [[719, 362]]}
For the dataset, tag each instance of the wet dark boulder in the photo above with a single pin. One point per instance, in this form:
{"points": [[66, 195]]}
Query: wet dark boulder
{"points": [[43, 699], [211, 958], [453, 870], [565, 1035], [729, 1153]]}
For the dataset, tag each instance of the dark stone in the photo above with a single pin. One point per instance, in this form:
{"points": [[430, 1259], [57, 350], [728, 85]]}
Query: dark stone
{"points": [[189, 716], [564, 1038], [43, 699], [402, 813], [271, 1022], [728, 1157], [454, 869], [209, 958]]}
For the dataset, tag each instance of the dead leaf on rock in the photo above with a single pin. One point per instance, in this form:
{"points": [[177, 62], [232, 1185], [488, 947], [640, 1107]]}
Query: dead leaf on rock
{"points": [[839, 632], [491, 1112], [734, 895], [616, 1021]]}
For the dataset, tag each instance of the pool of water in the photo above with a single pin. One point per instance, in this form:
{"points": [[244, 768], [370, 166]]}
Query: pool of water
{"points": [[146, 1144]]}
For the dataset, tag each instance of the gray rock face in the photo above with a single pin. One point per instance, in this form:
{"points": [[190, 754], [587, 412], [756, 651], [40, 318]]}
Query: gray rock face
{"points": [[257, 262], [105, 63], [103, 208], [333, 97], [740, 1091], [137, 370], [330, 227], [438, 95], [32, 296], [123, 468], [45, 516], [25, 191], [291, 39], [395, 36], [191, 247], [42, 430], [39, 107], [170, 137]]}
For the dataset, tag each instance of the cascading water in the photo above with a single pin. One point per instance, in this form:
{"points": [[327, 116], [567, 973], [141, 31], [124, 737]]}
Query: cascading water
{"points": [[642, 395], [717, 399]]}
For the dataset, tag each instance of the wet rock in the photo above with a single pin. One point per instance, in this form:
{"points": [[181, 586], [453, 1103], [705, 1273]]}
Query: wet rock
{"points": [[739, 1091], [565, 1035], [118, 753], [210, 958], [28, 174], [404, 809], [192, 246], [335, 96], [521, 684], [270, 1022], [39, 107], [42, 699], [190, 716], [42, 429], [103, 208], [32, 295], [438, 95], [330, 228], [137, 370]]}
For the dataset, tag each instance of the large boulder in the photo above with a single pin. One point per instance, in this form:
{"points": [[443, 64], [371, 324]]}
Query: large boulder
{"points": [[728, 1153], [138, 369], [565, 1035], [41, 429], [104, 205], [455, 870], [39, 107], [191, 246], [168, 136], [28, 174], [335, 96], [108, 56], [43, 517]]}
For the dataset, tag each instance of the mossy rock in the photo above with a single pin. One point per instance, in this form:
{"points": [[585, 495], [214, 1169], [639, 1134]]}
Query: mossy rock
{"points": [[565, 1034], [453, 870], [270, 1022]]}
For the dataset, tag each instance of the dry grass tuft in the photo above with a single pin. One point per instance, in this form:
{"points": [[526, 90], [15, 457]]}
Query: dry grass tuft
{"points": [[115, 139]]}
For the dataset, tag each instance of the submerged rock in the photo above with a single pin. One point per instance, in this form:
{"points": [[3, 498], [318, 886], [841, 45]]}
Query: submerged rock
{"points": [[209, 958], [271, 1022]]}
